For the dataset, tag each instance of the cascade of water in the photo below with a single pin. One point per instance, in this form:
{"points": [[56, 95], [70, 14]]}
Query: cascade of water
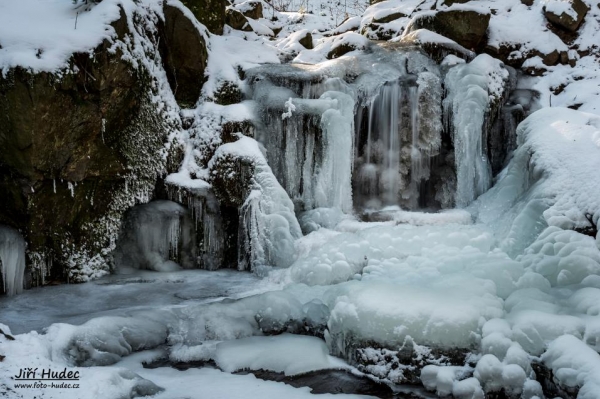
{"points": [[378, 181], [12, 260]]}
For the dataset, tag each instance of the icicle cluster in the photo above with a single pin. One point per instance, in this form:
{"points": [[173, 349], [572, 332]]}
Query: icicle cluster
{"points": [[12, 260]]}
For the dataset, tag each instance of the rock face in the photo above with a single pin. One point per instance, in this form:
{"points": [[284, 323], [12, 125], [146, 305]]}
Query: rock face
{"points": [[465, 27], [210, 13], [79, 147], [184, 55], [569, 19]]}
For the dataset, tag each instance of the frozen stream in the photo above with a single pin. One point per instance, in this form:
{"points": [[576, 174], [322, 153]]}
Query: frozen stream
{"points": [[117, 295]]}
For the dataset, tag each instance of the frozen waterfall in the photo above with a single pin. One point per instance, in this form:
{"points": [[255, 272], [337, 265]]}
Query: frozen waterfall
{"points": [[156, 236], [12, 260], [394, 149], [472, 89], [306, 125]]}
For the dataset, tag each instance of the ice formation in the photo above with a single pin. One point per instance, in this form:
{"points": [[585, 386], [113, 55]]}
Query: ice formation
{"points": [[156, 236], [12, 260], [268, 225], [313, 157], [472, 90]]}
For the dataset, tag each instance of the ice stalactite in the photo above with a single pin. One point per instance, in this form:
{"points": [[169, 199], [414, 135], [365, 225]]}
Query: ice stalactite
{"points": [[334, 188], [156, 236], [12, 260], [310, 146], [471, 90], [208, 221]]}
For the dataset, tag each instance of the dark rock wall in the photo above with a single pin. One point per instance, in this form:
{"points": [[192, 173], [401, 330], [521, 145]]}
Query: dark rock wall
{"points": [[78, 147]]}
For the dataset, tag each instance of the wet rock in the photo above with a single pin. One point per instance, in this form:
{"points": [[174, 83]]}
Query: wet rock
{"points": [[210, 13], [466, 27], [237, 20], [569, 20], [332, 382], [184, 55]]}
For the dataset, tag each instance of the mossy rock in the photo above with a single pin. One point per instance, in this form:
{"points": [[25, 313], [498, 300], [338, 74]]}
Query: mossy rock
{"points": [[76, 148], [228, 93], [232, 179], [210, 13]]}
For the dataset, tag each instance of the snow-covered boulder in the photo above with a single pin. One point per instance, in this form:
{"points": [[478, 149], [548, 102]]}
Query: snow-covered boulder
{"points": [[465, 26], [435, 45], [237, 20], [567, 14]]}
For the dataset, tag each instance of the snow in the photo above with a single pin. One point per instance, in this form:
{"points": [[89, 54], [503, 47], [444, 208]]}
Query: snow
{"points": [[559, 7], [574, 364], [209, 383], [286, 353], [55, 29]]}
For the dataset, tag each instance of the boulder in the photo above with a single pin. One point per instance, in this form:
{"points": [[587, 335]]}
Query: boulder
{"points": [[210, 13], [251, 9], [436, 46], [466, 27], [307, 41], [389, 18], [452, 2], [237, 20], [567, 15], [184, 55]]}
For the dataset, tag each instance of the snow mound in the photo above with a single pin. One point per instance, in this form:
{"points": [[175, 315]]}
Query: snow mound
{"points": [[55, 29], [286, 353]]}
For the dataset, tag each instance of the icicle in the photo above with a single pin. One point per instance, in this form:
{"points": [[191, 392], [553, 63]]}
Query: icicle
{"points": [[12, 260], [334, 187], [467, 103]]}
